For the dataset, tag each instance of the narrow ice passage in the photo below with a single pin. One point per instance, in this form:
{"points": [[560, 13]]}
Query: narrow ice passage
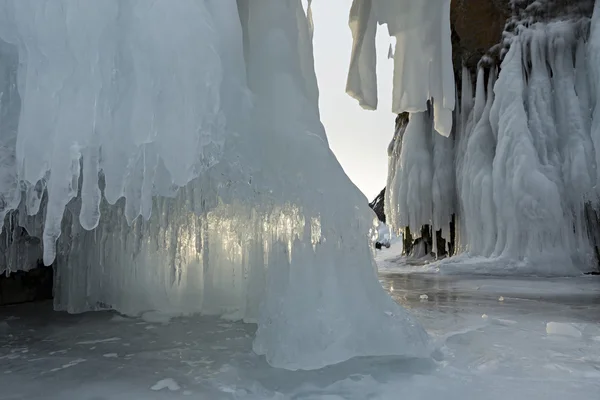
{"points": [[170, 155]]}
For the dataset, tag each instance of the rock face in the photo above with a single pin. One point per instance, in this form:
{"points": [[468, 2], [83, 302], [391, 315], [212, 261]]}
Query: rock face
{"points": [[23, 276], [544, 10], [377, 205], [477, 25], [26, 286]]}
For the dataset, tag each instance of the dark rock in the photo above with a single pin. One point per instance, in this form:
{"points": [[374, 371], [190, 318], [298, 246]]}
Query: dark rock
{"points": [[477, 26], [377, 205], [26, 286]]}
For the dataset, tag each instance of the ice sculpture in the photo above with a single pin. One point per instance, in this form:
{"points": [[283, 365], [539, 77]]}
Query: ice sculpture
{"points": [[525, 156], [171, 156], [422, 58]]}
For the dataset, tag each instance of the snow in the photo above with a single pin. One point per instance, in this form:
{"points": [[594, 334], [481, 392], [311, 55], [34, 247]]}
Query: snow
{"points": [[513, 353], [562, 329], [168, 383], [422, 57], [173, 162]]}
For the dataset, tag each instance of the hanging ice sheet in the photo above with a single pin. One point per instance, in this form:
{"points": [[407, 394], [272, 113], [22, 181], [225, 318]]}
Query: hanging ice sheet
{"points": [[422, 59]]}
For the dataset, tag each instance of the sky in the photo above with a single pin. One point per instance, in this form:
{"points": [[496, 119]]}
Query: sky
{"points": [[359, 138]]}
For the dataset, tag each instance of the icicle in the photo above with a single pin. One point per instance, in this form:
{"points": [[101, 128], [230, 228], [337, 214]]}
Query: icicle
{"points": [[528, 203], [443, 184], [392, 193], [476, 174], [462, 132], [10, 107], [435, 243], [582, 83], [362, 75], [416, 173], [576, 146]]}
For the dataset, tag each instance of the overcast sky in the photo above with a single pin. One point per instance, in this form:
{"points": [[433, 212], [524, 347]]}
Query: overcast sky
{"points": [[359, 138]]}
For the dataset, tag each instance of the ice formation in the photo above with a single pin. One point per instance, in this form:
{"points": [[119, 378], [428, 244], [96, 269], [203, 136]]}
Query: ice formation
{"points": [[170, 155], [524, 150], [422, 57]]}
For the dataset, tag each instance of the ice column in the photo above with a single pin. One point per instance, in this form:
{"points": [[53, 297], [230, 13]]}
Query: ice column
{"points": [[475, 171], [421, 183]]}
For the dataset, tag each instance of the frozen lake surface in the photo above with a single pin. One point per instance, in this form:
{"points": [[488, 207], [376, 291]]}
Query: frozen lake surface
{"points": [[498, 338]]}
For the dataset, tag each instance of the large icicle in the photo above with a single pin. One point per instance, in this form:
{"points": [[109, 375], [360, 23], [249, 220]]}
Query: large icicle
{"points": [[528, 203], [414, 175], [202, 118], [475, 192], [443, 185], [422, 60], [103, 76], [463, 131], [362, 75]]}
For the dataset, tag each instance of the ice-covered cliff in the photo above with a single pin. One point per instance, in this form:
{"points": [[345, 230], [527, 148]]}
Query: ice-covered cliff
{"points": [[171, 158], [520, 170]]}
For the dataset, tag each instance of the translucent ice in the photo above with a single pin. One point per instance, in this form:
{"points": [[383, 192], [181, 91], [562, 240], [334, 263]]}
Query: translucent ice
{"points": [[562, 329], [172, 158]]}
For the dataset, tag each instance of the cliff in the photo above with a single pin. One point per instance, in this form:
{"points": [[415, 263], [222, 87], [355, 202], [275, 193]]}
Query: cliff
{"points": [[480, 33]]}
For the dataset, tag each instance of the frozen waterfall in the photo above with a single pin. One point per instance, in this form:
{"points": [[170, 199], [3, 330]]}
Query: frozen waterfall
{"points": [[524, 150], [170, 155]]}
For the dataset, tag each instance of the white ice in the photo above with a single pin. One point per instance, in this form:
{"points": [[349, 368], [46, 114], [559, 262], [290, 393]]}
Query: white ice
{"points": [[422, 58], [524, 157], [171, 158]]}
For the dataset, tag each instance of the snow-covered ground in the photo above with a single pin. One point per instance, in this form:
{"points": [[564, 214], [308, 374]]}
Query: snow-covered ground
{"points": [[498, 338]]}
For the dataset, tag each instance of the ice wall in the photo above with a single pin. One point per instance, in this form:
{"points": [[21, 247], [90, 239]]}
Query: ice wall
{"points": [[171, 156], [422, 59], [524, 156]]}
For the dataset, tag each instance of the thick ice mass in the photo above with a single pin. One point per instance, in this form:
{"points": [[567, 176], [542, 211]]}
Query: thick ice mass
{"points": [[525, 156], [422, 58], [170, 155]]}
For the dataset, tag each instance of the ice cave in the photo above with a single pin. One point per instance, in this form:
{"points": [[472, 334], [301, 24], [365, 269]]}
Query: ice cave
{"points": [[163, 165]]}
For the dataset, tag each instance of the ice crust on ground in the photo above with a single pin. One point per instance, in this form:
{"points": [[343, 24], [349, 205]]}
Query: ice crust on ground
{"points": [[524, 152], [508, 355], [423, 69], [171, 156]]}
